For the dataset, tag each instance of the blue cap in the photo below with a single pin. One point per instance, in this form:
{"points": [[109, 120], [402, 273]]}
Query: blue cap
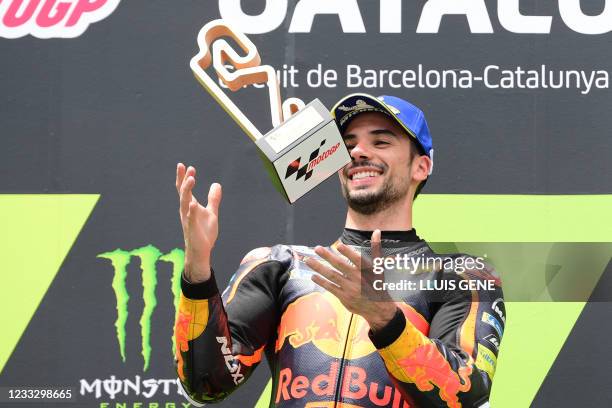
{"points": [[408, 116]]}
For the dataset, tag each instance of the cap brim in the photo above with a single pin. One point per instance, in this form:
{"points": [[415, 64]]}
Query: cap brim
{"points": [[351, 105]]}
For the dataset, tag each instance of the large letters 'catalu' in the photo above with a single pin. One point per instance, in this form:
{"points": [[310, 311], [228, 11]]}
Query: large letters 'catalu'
{"points": [[475, 11]]}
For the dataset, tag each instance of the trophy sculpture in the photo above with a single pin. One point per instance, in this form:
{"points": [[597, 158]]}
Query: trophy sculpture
{"points": [[304, 147]]}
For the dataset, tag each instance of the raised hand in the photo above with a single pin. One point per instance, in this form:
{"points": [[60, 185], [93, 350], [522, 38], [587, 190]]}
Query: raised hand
{"points": [[344, 280], [200, 224]]}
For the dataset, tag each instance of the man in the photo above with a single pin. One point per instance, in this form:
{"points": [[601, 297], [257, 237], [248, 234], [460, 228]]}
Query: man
{"points": [[329, 340]]}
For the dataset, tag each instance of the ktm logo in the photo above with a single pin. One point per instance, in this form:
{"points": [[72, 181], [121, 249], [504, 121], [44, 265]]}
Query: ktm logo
{"points": [[307, 169], [51, 18]]}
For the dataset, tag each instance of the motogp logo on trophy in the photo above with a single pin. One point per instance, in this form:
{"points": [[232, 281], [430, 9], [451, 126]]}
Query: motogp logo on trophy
{"points": [[51, 18], [307, 169]]}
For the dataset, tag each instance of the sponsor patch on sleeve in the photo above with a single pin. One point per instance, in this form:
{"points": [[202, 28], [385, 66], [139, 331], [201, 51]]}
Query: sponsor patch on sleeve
{"points": [[486, 360], [492, 321]]}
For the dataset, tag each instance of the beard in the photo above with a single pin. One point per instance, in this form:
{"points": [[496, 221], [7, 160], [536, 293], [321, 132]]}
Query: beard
{"points": [[371, 202]]}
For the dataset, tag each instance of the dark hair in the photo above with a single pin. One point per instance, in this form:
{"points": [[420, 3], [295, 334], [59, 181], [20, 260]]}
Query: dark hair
{"points": [[415, 151]]}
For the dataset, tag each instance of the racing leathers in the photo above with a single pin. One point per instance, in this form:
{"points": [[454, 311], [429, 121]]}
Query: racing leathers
{"points": [[437, 351]]}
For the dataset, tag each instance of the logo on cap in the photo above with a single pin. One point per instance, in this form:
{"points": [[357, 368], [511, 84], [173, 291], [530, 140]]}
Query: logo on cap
{"points": [[359, 104], [393, 109]]}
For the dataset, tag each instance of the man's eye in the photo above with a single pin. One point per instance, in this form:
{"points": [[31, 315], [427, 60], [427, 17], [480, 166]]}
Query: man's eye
{"points": [[381, 142]]}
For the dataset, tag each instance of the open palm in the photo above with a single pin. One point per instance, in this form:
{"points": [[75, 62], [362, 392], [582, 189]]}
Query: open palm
{"points": [[200, 224]]}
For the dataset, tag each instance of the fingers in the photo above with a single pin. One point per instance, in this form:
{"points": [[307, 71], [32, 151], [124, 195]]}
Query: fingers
{"points": [[214, 198], [185, 181], [334, 260], [328, 273], [180, 175], [186, 195], [193, 205], [375, 244], [351, 254], [325, 284]]}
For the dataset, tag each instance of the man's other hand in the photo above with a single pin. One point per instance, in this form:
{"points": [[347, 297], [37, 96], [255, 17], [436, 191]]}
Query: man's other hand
{"points": [[200, 224], [344, 280]]}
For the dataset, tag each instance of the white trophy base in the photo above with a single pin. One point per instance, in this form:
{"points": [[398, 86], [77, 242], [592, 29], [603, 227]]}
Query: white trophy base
{"points": [[304, 151]]}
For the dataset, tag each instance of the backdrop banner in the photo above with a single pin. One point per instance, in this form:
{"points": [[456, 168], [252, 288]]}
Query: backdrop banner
{"points": [[99, 104]]}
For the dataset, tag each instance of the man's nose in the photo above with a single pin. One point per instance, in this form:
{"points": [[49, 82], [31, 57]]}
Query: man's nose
{"points": [[360, 151]]}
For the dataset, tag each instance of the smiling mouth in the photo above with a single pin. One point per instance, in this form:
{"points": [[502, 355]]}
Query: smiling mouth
{"points": [[359, 175]]}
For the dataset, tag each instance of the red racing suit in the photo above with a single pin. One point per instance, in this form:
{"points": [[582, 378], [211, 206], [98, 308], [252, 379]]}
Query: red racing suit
{"points": [[436, 351]]}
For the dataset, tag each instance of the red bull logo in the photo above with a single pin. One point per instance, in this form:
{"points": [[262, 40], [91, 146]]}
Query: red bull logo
{"points": [[355, 386], [51, 18], [310, 318], [427, 368], [320, 319]]}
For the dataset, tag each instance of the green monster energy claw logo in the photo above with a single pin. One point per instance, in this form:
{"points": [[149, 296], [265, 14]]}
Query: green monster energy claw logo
{"points": [[148, 255]]}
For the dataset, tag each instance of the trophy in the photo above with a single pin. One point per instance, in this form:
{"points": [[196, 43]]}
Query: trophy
{"points": [[304, 146]]}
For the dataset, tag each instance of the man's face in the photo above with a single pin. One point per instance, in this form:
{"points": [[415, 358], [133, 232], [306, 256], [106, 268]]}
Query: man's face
{"points": [[380, 171]]}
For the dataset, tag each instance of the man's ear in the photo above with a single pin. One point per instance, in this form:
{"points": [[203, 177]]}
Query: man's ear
{"points": [[420, 167]]}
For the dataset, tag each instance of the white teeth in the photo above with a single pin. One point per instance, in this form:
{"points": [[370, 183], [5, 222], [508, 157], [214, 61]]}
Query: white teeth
{"points": [[364, 174]]}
